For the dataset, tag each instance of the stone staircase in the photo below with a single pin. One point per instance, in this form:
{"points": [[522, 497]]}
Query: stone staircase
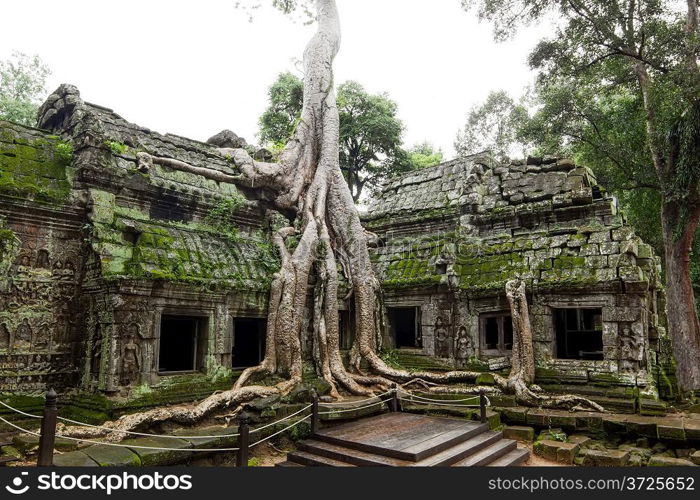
{"points": [[407, 440], [6, 440]]}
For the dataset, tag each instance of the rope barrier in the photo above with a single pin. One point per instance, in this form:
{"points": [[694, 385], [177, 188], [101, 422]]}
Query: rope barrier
{"points": [[333, 412], [443, 400], [280, 420], [279, 432], [448, 402], [118, 445], [356, 402], [134, 433], [167, 436], [20, 428], [19, 411]]}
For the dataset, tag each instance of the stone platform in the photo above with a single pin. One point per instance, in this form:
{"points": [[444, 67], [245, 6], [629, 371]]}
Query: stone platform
{"points": [[404, 439]]}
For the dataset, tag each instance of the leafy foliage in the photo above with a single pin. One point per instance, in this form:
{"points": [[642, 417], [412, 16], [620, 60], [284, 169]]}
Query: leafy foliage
{"points": [[22, 86], [493, 126], [423, 155], [279, 120], [370, 131]]}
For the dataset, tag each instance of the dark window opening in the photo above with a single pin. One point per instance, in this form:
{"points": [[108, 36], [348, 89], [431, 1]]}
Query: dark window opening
{"points": [[346, 329], [441, 268], [178, 343], [405, 325], [496, 333], [248, 341], [579, 333]]}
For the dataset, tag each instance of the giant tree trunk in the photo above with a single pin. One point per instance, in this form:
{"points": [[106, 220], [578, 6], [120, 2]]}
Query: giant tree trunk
{"points": [[522, 369], [683, 325]]}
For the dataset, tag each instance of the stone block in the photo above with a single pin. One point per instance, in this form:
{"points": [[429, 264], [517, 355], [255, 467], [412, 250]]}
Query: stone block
{"points": [[112, 456], [212, 437], [605, 458], [621, 314], [590, 421], [672, 429], [599, 237], [692, 429], [74, 459], [566, 452], [663, 461], [514, 415], [546, 449], [695, 457], [641, 426], [537, 417], [652, 407], [614, 424], [579, 439], [519, 433], [159, 450]]}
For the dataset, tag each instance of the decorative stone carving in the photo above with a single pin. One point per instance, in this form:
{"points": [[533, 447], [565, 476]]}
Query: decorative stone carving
{"points": [[42, 337], [23, 335], [42, 259], [442, 341], [96, 352], [4, 336], [631, 350], [462, 346], [130, 355]]}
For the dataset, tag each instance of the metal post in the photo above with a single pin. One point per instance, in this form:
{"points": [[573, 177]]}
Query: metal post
{"points": [[314, 412], [482, 406], [48, 430], [395, 403], [243, 440]]}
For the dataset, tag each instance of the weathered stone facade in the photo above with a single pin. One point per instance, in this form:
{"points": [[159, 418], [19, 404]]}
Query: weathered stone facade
{"points": [[95, 251], [452, 235], [98, 254]]}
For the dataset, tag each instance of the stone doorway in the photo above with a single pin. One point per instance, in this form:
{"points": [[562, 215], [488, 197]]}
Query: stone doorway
{"points": [[405, 327], [179, 337], [248, 342]]}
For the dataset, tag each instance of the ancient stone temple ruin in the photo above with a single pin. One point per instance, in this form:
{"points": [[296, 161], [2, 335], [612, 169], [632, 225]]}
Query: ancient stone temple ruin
{"points": [[123, 278]]}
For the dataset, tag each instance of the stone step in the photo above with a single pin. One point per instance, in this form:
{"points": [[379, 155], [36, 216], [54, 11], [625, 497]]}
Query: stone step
{"points": [[309, 459], [287, 463], [4, 460], [349, 455], [362, 458], [462, 450], [415, 453], [488, 454], [512, 458]]}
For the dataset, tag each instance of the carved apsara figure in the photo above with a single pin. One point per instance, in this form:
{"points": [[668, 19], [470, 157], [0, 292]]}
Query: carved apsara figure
{"points": [[442, 346], [23, 335], [462, 346], [131, 356], [4, 337]]}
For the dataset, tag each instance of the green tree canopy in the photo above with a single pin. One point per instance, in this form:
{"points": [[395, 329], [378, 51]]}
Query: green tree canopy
{"points": [[423, 155], [494, 126], [370, 131], [22, 86]]}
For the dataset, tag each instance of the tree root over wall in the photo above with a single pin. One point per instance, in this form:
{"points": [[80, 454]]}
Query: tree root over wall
{"points": [[307, 185]]}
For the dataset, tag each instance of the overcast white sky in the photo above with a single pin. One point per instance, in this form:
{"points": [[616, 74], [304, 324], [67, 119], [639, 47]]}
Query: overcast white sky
{"points": [[195, 68]]}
